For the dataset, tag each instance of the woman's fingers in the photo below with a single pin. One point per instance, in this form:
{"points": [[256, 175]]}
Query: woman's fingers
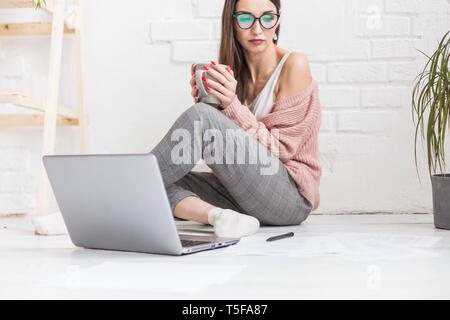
{"points": [[225, 72], [217, 94], [194, 92], [192, 82], [218, 86]]}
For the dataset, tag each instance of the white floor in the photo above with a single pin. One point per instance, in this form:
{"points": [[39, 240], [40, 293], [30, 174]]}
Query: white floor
{"points": [[51, 267]]}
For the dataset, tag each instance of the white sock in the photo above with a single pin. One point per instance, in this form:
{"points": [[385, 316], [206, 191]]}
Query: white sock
{"points": [[51, 224], [231, 224]]}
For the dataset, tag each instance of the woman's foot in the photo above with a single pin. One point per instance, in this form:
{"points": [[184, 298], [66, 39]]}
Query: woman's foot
{"points": [[231, 224], [51, 224]]}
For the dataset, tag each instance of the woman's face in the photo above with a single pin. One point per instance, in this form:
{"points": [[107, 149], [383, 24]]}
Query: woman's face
{"points": [[257, 8]]}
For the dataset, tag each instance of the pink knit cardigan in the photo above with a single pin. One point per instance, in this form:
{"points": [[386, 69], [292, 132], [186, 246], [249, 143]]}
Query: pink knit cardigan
{"points": [[297, 121]]}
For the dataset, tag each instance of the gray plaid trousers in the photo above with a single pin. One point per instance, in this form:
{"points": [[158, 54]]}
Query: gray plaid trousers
{"points": [[237, 181]]}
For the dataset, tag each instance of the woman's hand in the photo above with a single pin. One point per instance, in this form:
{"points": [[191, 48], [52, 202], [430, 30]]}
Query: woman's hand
{"points": [[225, 90], [194, 91]]}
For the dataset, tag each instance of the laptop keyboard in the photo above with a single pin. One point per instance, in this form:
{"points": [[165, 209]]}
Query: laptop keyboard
{"points": [[191, 243]]}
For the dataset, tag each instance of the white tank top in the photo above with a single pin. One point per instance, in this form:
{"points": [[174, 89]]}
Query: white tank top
{"points": [[263, 102]]}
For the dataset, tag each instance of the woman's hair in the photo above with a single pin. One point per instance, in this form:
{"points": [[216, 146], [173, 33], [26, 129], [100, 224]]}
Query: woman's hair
{"points": [[231, 52]]}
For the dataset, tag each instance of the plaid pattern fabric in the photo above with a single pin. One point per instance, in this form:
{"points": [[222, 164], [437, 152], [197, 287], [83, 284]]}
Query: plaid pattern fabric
{"points": [[236, 183], [291, 131]]}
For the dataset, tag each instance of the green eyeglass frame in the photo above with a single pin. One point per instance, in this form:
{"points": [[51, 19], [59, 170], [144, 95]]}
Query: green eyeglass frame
{"points": [[242, 26]]}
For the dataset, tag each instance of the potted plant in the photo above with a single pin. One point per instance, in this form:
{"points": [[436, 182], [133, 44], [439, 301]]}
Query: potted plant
{"points": [[38, 3], [432, 92]]}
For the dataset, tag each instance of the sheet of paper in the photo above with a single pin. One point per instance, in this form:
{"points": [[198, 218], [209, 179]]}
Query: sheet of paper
{"points": [[354, 246], [391, 239], [294, 246], [377, 246]]}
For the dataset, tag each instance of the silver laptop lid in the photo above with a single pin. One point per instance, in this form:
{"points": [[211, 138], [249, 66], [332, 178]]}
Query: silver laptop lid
{"points": [[114, 201]]}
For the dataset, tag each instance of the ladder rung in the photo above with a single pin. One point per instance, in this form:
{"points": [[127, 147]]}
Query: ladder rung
{"points": [[32, 120], [21, 99], [7, 4], [11, 4], [29, 28]]}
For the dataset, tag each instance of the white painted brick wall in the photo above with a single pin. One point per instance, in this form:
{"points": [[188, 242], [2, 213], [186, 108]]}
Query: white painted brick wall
{"points": [[362, 53], [391, 97], [208, 8], [14, 158], [393, 49], [384, 27], [179, 30], [365, 121], [356, 72], [339, 97]]}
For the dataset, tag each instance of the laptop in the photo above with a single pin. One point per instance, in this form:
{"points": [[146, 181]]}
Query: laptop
{"points": [[119, 202]]}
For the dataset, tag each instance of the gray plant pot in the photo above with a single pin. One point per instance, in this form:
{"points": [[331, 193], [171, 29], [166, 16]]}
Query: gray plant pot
{"points": [[440, 184]]}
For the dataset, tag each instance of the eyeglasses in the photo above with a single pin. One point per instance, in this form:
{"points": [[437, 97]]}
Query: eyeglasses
{"points": [[267, 21]]}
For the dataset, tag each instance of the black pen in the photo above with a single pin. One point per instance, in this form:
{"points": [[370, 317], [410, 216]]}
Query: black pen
{"points": [[281, 236]]}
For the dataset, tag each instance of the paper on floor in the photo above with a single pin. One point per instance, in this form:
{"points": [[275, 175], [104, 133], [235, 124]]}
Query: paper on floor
{"points": [[377, 246], [294, 246], [355, 246]]}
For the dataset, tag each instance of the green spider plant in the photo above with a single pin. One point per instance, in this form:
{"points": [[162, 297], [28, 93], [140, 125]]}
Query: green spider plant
{"points": [[432, 91], [38, 3]]}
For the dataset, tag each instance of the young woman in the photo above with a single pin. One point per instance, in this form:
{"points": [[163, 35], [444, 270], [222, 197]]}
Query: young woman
{"points": [[269, 100]]}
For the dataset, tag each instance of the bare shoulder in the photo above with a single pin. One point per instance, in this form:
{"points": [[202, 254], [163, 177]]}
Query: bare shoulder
{"points": [[295, 76]]}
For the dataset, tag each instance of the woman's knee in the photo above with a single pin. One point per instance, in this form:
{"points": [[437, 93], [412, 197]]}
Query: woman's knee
{"points": [[204, 111], [198, 109], [193, 112]]}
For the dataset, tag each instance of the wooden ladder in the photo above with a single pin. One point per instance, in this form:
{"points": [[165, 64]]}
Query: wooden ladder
{"points": [[51, 115]]}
